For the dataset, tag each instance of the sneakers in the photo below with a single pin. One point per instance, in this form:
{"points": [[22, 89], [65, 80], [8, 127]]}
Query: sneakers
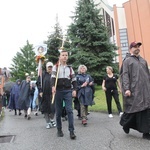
{"points": [[60, 133], [146, 136], [88, 113], [36, 113], [48, 126], [84, 122], [110, 116], [53, 123], [120, 114], [72, 135]]}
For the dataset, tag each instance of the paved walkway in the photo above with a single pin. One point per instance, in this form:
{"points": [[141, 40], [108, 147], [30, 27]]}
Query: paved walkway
{"points": [[101, 133]]}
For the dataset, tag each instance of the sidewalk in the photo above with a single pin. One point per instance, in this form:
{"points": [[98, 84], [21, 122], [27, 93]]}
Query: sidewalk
{"points": [[101, 133]]}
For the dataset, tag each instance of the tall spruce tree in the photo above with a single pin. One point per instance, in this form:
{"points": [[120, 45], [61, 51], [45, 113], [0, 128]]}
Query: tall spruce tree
{"points": [[54, 43], [90, 41], [24, 62]]}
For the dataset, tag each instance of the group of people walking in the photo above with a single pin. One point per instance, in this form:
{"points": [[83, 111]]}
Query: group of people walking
{"points": [[135, 87], [23, 96], [135, 82]]}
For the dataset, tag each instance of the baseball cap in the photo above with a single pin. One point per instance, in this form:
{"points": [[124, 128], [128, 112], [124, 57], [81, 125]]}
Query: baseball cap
{"points": [[49, 64], [133, 44]]}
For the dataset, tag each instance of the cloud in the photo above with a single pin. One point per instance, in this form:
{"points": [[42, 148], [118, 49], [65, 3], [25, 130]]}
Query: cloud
{"points": [[23, 20]]}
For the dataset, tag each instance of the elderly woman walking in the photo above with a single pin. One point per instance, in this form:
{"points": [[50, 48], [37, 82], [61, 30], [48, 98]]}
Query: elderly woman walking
{"points": [[84, 91]]}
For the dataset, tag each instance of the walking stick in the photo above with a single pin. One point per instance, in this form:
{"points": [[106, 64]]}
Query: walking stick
{"points": [[56, 81], [61, 48]]}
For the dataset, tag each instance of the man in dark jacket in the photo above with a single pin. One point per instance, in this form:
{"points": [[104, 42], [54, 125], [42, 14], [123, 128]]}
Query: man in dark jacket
{"points": [[45, 92], [135, 87]]}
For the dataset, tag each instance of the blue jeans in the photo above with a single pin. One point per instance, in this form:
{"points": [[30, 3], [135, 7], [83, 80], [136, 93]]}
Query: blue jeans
{"points": [[66, 96]]}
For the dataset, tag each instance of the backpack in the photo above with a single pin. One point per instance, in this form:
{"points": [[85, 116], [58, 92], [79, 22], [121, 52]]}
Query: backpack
{"points": [[69, 68]]}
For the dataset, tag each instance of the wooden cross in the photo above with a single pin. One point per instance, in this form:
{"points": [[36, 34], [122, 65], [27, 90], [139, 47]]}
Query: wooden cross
{"points": [[63, 41]]}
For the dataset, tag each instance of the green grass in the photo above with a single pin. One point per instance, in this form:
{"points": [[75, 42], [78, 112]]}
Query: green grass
{"points": [[100, 101]]}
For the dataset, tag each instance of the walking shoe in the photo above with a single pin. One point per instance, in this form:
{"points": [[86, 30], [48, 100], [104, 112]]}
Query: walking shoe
{"points": [[48, 126], [146, 136], [28, 117], [126, 130], [120, 114], [20, 113], [110, 116], [84, 122], [88, 113], [25, 115], [72, 135], [60, 133], [36, 113], [53, 123]]}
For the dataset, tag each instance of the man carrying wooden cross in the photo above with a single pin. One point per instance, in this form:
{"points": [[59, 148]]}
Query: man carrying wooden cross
{"points": [[64, 75]]}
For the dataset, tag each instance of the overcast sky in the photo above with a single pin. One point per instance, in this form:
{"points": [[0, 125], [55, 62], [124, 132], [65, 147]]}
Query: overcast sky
{"points": [[31, 20]]}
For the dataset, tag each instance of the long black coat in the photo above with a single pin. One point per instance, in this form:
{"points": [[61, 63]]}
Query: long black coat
{"points": [[24, 95], [46, 89], [136, 78]]}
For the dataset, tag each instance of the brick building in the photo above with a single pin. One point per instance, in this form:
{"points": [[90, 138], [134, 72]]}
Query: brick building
{"points": [[127, 23], [132, 22]]}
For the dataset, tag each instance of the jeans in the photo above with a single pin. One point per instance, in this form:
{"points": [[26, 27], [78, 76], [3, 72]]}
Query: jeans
{"points": [[66, 96]]}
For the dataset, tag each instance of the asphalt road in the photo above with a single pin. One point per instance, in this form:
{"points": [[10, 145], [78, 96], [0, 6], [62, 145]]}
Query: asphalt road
{"points": [[101, 133]]}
